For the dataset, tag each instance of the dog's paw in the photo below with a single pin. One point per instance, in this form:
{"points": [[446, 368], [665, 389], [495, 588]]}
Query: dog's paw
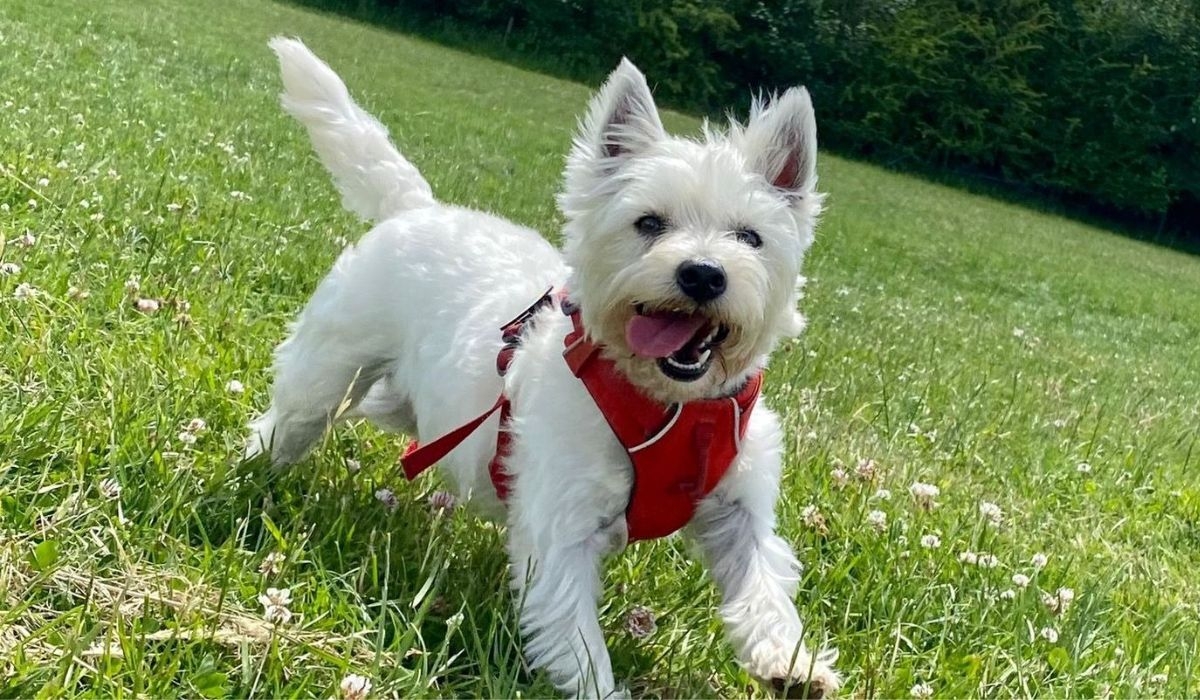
{"points": [[823, 682], [808, 678]]}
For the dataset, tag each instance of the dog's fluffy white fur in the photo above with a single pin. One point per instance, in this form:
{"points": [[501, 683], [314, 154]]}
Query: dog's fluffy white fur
{"points": [[403, 331]]}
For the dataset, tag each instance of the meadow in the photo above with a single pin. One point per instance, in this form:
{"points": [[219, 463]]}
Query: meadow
{"points": [[993, 416]]}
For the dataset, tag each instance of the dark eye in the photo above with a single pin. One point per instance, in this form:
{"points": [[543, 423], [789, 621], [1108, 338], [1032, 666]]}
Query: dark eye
{"points": [[650, 225], [749, 236]]}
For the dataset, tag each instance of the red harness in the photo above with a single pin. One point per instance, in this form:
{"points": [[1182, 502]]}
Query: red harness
{"points": [[679, 452]]}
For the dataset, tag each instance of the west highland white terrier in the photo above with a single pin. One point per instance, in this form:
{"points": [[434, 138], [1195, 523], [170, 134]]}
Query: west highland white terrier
{"points": [[621, 405]]}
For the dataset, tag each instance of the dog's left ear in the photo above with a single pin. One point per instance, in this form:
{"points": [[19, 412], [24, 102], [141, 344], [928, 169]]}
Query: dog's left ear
{"points": [[622, 120], [780, 142]]}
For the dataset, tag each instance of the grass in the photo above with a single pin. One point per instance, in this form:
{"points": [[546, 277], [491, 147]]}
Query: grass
{"points": [[984, 348]]}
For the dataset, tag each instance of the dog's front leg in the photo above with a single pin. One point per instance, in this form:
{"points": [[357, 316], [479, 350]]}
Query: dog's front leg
{"points": [[757, 572], [557, 585]]}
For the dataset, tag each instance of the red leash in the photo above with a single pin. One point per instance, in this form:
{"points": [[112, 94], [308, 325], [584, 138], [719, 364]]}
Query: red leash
{"points": [[417, 457]]}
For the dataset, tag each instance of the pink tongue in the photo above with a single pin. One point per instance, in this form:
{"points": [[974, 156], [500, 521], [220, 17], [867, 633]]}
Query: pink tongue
{"points": [[659, 335]]}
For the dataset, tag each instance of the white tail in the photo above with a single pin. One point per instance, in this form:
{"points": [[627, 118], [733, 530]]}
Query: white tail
{"points": [[376, 182]]}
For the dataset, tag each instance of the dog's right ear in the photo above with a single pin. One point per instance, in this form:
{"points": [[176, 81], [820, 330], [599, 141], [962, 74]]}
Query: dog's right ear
{"points": [[622, 120]]}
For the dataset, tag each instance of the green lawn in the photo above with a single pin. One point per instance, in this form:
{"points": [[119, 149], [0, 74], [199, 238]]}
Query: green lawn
{"points": [[987, 349]]}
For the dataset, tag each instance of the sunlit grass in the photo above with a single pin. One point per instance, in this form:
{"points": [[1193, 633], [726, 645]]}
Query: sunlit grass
{"points": [[1002, 355]]}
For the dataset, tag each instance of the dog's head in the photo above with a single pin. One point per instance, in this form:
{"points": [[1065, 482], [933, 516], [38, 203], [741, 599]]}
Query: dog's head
{"points": [[686, 253]]}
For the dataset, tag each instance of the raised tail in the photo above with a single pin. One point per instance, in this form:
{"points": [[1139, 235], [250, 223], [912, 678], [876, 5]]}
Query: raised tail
{"points": [[376, 182]]}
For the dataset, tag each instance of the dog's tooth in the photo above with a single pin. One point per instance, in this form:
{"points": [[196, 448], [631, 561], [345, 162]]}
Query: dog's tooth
{"points": [[704, 357]]}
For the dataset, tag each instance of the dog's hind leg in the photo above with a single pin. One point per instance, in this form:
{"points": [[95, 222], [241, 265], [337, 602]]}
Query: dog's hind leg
{"points": [[311, 393], [322, 372], [387, 407]]}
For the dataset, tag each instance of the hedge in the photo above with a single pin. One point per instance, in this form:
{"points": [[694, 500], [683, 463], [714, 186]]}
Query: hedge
{"points": [[1097, 100]]}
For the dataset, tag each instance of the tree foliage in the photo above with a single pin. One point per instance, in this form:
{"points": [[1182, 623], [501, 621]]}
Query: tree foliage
{"points": [[1095, 99]]}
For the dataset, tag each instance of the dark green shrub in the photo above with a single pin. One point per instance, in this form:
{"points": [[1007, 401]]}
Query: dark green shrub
{"points": [[1095, 99]]}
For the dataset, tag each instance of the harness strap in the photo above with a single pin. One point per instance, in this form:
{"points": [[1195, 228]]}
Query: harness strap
{"points": [[417, 457]]}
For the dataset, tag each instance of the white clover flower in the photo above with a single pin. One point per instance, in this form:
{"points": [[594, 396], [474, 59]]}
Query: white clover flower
{"points": [[25, 290], [275, 604], [32, 204], [931, 541], [921, 691], [187, 438], [353, 466], [110, 489], [1059, 601], [991, 512], [970, 558], [235, 387], [921, 490], [988, 561], [1083, 468], [355, 687], [277, 614], [1158, 679], [1018, 332], [839, 477], [1008, 594], [877, 519], [924, 495], [74, 292], [27, 240], [442, 502], [387, 498], [276, 596], [1020, 580], [1049, 634], [272, 563], [814, 519], [866, 469], [43, 181], [1039, 560], [10, 268], [196, 426], [640, 622], [882, 495], [132, 286]]}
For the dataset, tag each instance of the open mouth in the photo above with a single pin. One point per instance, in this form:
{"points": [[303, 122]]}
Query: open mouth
{"points": [[682, 342]]}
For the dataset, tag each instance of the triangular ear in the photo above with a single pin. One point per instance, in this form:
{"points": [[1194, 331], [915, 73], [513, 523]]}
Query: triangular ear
{"points": [[622, 119], [780, 142]]}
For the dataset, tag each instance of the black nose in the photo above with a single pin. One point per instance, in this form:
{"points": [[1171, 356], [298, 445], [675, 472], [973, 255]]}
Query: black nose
{"points": [[702, 280]]}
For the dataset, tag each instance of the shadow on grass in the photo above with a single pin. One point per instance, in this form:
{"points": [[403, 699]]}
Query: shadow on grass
{"points": [[419, 569], [1177, 230]]}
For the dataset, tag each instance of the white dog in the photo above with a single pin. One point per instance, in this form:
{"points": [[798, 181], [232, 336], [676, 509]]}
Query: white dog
{"points": [[681, 274]]}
